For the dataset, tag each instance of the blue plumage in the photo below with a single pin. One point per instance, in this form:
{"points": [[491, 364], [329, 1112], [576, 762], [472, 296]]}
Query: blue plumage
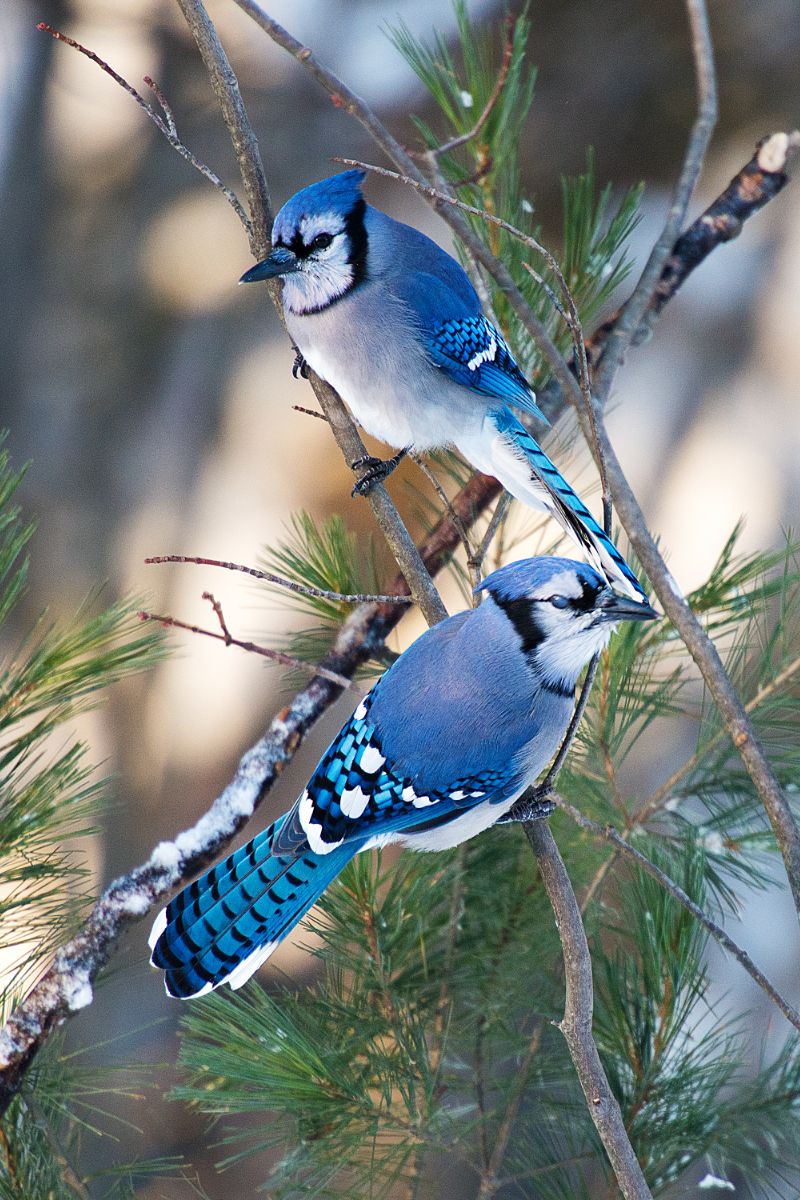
{"points": [[438, 750], [393, 322]]}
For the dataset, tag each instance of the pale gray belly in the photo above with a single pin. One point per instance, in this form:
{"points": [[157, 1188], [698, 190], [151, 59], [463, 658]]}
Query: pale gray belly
{"points": [[378, 368]]}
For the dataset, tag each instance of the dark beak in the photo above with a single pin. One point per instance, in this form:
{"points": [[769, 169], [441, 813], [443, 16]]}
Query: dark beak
{"points": [[615, 607], [282, 261]]}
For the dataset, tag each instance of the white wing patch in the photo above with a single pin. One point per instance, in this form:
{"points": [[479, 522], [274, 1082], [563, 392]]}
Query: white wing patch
{"points": [[488, 354], [311, 829], [371, 760], [353, 802]]}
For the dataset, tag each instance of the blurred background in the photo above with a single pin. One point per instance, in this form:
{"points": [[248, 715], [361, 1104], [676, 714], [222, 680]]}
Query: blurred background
{"points": [[153, 397]]}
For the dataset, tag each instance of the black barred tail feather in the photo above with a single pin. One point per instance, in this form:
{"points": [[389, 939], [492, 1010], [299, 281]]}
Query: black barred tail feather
{"points": [[222, 927], [525, 470]]}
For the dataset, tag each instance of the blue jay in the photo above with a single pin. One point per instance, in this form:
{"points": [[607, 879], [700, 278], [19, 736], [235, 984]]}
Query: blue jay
{"points": [[393, 323], [439, 749]]}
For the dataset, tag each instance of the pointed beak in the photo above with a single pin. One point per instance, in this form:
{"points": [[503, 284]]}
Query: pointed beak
{"points": [[615, 607], [282, 261]]}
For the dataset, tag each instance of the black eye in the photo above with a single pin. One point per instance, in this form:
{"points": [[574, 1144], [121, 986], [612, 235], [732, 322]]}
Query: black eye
{"points": [[321, 241], [559, 601]]}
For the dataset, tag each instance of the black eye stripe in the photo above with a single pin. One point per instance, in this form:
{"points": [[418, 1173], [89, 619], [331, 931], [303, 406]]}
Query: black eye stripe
{"points": [[522, 615]]}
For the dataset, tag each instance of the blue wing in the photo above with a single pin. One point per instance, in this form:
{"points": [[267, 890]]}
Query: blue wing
{"points": [[473, 353], [457, 337], [355, 794]]}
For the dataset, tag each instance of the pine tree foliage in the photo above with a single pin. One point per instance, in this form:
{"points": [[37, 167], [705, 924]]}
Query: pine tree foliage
{"points": [[50, 795], [426, 1046]]}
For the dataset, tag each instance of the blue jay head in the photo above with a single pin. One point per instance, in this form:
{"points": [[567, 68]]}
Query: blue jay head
{"points": [[562, 611], [319, 244]]}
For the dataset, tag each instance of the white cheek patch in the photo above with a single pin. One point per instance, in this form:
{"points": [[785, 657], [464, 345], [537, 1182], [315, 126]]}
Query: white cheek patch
{"points": [[321, 279]]}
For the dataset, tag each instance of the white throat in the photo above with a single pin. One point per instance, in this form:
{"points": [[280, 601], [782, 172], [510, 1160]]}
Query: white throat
{"points": [[320, 281]]}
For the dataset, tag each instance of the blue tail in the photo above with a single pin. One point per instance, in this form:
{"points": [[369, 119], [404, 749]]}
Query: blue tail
{"points": [[222, 927], [525, 470]]}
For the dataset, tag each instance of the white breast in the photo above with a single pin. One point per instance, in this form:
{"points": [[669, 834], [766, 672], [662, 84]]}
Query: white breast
{"points": [[366, 347]]}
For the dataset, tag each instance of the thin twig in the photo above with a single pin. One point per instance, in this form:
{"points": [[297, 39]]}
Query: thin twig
{"points": [[302, 589], [165, 125], [699, 139], [285, 660], [609, 834], [548, 783], [576, 1024], [309, 412]]}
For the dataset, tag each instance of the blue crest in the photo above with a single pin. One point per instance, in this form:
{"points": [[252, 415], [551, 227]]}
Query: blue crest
{"points": [[517, 579], [337, 193]]}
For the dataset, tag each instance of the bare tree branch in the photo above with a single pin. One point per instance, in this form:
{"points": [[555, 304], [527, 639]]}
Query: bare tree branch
{"points": [[576, 1024], [277, 656], [640, 299], [291, 585], [165, 125], [758, 182]]}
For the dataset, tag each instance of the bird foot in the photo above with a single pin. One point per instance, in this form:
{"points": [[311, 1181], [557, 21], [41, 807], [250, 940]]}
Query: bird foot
{"points": [[299, 366], [530, 807], [377, 471]]}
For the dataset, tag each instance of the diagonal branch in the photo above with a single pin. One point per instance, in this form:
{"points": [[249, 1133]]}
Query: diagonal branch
{"points": [[699, 139], [165, 125], [758, 182], [705, 654]]}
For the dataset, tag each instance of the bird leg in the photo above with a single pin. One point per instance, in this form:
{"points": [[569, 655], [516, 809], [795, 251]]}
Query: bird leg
{"points": [[299, 366], [377, 470], [531, 806]]}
